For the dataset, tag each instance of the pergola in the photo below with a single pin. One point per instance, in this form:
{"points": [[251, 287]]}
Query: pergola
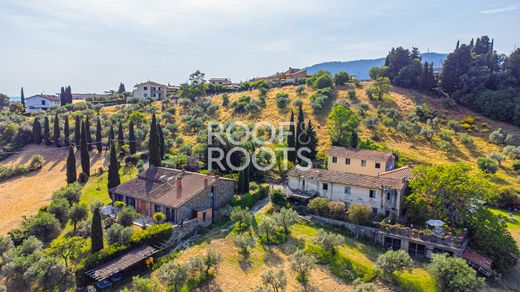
{"points": [[121, 263]]}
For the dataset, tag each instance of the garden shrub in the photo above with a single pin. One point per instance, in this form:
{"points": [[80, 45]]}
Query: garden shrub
{"points": [[360, 214], [516, 165], [319, 206], [153, 234], [282, 99], [487, 165]]}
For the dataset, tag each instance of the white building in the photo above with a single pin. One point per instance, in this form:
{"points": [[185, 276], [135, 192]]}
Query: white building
{"points": [[383, 192], [149, 89], [41, 102]]}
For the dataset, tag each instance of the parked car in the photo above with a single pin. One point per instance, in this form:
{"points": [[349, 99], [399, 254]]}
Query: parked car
{"points": [[104, 284]]}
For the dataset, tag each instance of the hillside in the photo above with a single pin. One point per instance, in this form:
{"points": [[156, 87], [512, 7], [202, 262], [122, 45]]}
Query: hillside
{"points": [[411, 150], [360, 67]]}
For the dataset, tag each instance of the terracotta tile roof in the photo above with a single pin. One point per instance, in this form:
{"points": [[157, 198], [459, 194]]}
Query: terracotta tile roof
{"points": [[160, 185], [477, 259], [46, 96], [399, 173], [358, 153], [352, 179]]}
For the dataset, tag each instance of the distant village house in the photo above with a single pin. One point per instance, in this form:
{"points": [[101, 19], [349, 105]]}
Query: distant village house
{"points": [[41, 102], [291, 75], [221, 81], [149, 89]]}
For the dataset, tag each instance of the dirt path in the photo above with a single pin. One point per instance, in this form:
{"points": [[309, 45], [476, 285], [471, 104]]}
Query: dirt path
{"points": [[25, 195]]}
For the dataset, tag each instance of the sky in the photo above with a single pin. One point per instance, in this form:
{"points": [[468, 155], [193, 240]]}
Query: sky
{"points": [[93, 45]]}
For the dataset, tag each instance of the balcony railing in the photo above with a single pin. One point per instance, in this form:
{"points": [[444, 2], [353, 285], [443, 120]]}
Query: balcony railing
{"points": [[446, 239]]}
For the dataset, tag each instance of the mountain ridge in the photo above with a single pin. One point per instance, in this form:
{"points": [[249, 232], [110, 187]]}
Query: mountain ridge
{"points": [[361, 67]]}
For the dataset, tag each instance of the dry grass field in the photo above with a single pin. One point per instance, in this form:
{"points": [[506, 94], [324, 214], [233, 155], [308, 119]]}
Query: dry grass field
{"points": [[25, 195]]}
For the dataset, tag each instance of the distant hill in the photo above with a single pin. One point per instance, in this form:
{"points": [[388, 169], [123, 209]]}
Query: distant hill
{"points": [[360, 67]]}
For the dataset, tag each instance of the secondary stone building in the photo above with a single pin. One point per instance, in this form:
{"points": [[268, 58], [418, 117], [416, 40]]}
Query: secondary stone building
{"points": [[356, 177], [179, 194]]}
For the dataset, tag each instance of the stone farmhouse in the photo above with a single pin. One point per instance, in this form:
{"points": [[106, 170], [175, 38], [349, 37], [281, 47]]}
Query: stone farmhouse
{"points": [[41, 102], [356, 176], [179, 194]]}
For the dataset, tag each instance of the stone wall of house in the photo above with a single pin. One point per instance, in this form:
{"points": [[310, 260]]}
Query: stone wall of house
{"points": [[224, 190], [188, 229]]}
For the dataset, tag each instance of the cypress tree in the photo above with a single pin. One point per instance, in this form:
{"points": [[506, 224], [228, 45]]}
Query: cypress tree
{"points": [[247, 177], [77, 132], [111, 136], [120, 135], [46, 131], [63, 96], [99, 146], [85, 157], [154, 146], [313, 141], [56, 131], [71, 166], [161, 139], [22, 98], [87, 132], [121, 88], [37, 132], [300, 130], [68, 95], [354, 140], [113, 168], [291, 154], [131, 137], [96, 232], [66, 132]]}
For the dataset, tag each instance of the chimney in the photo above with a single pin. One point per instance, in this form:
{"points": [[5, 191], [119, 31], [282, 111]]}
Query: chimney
{"points": [[179, 187], [205, 183]]}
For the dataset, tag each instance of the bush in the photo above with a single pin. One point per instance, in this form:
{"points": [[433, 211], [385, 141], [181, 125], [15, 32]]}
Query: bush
{"points": [[282, 99], [119, 235], [298, 102], [454, 274], [360, 214], [83, 178], [516, 165], [337, 210], [328, 240], [393, 261], [319, 206], [498, 136], [278, 198], [71, 192], [127, 216], [153, 234], [512, 151], [467, 140], [487, 165]]}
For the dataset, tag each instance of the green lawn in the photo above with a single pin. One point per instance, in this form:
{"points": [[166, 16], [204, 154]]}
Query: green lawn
{"points": [[360, 258], [511, 224], [96, 188]]}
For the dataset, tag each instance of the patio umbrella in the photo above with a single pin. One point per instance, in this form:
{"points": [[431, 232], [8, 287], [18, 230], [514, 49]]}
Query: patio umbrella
{"points": [[435, 222]]}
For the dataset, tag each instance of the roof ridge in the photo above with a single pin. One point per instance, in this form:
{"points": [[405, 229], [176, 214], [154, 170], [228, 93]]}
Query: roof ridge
{"points": [[397, 169]]}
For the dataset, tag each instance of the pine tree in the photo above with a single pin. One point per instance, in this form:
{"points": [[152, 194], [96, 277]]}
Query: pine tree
{"points": [[88, 133], [71, 166], [66, 132], [99, 146], [96, 232], [131, 137], [46, 131], [154, 146], [120, 135], [84, 155], [111, 136], [161, 139], [22, 98], [56, 131], [37, 132], [113, 168], [291, 154], [77, 132]]}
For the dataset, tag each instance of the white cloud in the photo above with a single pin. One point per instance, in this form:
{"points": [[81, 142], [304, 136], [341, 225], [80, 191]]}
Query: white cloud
{"points": [[508, 8]]}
